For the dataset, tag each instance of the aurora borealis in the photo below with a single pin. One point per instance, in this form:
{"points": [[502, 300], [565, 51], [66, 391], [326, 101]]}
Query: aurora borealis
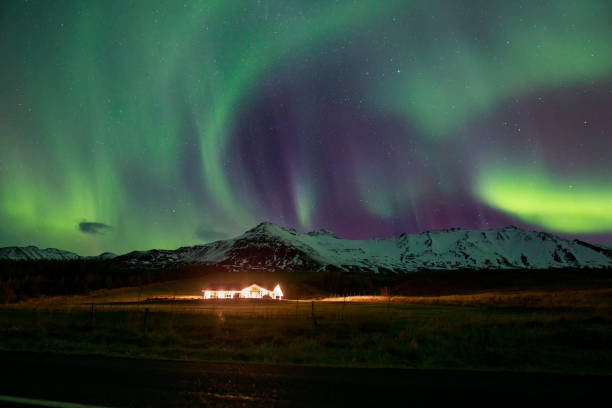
{"points": [[152, 124]]}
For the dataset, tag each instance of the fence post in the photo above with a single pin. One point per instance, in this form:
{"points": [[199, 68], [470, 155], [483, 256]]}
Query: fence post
{"points": [[145, 318], [91, 315], [343, 304], [314, 318], [297, 300]]}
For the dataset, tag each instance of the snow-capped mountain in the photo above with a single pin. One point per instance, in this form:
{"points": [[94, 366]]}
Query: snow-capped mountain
{"points": [[32, 253], [103, 256], [269, 246]]}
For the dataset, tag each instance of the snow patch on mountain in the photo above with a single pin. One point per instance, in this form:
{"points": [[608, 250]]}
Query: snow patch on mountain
{"points": [[33, 253], [103, 256], [269, 246]]}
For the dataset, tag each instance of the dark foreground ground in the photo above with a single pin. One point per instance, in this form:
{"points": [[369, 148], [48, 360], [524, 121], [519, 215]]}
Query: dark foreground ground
{"points": [[106, 381]]}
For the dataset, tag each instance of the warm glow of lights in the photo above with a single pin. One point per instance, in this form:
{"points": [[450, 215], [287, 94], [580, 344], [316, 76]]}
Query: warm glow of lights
{"points": [[250, 292]]}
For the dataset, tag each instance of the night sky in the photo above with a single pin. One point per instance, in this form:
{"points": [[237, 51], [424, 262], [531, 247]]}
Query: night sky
{"points": [[153, 124]]}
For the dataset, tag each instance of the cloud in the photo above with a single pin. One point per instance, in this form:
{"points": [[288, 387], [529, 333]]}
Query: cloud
{"points": [[94, 227], [208, 233]]}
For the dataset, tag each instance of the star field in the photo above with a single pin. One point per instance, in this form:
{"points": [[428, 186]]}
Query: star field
{"points": [[154, 124]]}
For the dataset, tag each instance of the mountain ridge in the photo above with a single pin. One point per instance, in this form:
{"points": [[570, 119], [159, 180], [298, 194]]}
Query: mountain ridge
{"points": [[272, 247], [34, 253]]}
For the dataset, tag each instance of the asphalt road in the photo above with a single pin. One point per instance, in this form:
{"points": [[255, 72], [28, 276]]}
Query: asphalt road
{"points": [[123, 382]]}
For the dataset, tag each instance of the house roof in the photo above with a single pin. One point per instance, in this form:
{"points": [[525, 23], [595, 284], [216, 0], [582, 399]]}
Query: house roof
{"points": [[231, 286], [224, 286]]}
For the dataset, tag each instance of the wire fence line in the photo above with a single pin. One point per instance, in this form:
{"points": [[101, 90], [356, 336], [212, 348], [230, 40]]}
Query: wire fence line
{"points": [[220, 309]]}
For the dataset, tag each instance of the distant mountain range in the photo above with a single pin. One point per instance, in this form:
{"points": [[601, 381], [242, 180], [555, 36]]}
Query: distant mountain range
{"points": [[34, 253], [269, 246]]}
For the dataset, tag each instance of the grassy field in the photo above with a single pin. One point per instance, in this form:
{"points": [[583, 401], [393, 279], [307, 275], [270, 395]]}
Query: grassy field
{"points": [[557, 331]]}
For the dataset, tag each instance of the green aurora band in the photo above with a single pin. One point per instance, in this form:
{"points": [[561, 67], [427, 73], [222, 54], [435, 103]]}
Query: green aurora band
{"points": [[565, 206]]}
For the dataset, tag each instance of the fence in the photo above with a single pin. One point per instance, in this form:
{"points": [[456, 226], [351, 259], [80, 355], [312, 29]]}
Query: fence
{"points": [[149, 312]]}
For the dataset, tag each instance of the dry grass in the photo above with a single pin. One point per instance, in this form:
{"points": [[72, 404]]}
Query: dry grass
{"points": [[590, 298], [183, 289], [568, 331]]}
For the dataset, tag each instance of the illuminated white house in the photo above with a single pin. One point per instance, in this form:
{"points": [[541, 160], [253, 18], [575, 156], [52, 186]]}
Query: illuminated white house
{"points": [[250, 292]]}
